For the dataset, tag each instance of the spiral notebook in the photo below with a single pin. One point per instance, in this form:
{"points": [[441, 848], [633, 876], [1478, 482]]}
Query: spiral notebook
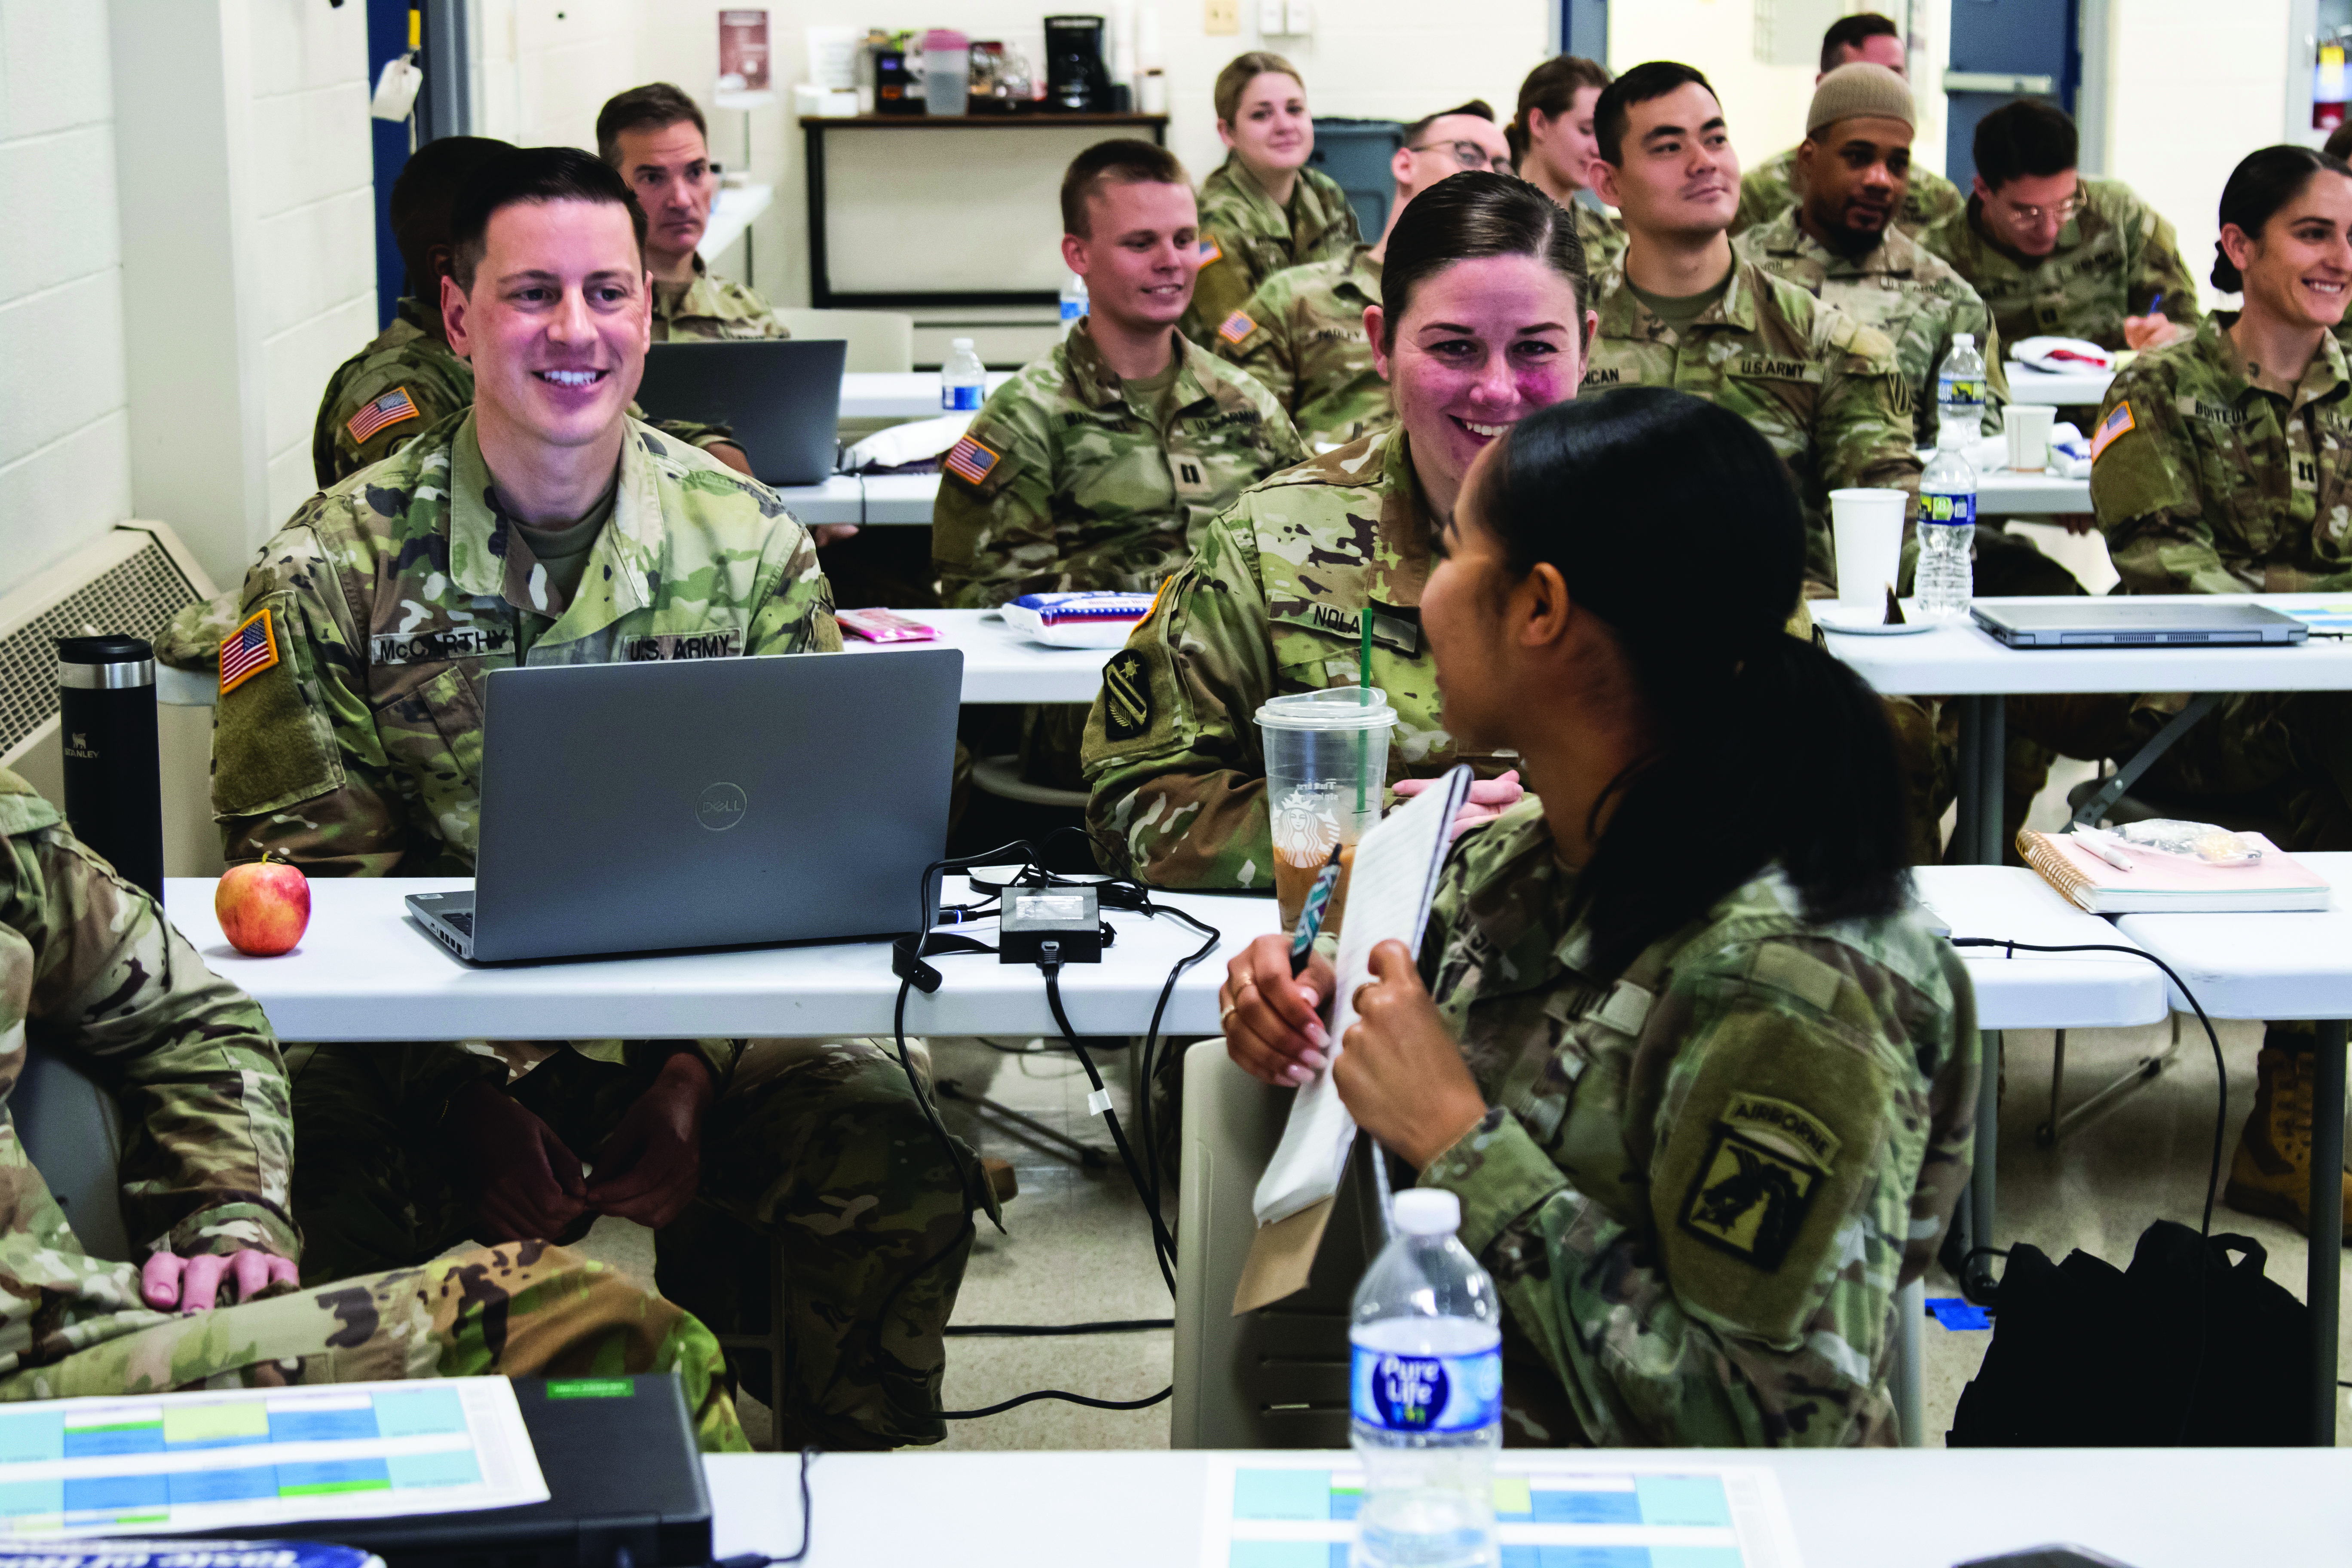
{"points": [[1390, 890], [2160, 883]]}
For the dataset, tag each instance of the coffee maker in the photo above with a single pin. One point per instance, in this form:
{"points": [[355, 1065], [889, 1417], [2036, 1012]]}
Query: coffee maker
{"points": [[1077, 80]]}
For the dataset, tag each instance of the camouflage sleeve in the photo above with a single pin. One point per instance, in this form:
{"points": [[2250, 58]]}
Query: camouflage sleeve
{"points": [[1176, 779], [336, 453], [1264, 349], [995, 540], [1762, 198], [209, 1149], [298, 768], [796, 611], [1863, 424], [1220, 288], [2145, 493], [1751, 1306], [1975, 317], [692, 432]]}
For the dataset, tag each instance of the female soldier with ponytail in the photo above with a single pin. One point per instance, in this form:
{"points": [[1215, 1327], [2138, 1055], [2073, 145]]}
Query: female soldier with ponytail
{"points": [[1700, 1074], [2221, 463]]}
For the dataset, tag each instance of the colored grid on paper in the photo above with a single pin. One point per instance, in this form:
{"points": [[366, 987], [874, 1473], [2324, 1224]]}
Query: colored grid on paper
{"points": [[321, 1477], [117, 1437], [419, 1413], [330, 1426], [215, 1426], [31, 1435]]}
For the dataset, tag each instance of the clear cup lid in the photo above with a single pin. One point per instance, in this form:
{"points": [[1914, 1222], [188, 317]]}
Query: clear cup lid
{"points": [[1334, 708]]}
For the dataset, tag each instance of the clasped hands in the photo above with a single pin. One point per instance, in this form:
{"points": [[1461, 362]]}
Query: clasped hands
{"points": [[527, 1181], [1398, 1071]]}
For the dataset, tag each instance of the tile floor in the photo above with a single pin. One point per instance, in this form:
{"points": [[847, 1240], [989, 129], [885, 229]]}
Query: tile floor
{"points": [[1074, 1247]]}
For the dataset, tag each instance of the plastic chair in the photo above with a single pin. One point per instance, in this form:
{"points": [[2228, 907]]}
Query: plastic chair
{"points": [[879, 341], [72, 1132], [1276, 1378], [1907, 1373]]}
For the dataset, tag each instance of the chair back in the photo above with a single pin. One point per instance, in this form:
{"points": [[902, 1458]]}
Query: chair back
{"points": [[72, 1132]]}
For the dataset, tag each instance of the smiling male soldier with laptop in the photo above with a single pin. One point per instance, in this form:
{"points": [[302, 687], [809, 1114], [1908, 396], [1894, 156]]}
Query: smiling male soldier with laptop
{"points": [[545, 527]]}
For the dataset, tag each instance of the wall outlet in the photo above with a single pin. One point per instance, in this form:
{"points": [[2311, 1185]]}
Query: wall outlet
{"points": [[1269, 18], [1221, 16], [1298, 17]]}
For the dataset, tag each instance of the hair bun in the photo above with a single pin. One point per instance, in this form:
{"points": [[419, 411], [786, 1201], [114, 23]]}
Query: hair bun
{"points": [[2225, 275]]}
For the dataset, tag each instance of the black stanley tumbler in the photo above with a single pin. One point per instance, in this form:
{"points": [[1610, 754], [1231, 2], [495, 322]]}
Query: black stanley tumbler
{"points": [[106, 711]]}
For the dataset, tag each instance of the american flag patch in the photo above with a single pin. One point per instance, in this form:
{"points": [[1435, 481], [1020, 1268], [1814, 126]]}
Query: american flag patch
{"points": [[1236, 327], [1209, 252], [2119, 423], [247, 651], [969, 460], [390, 409]]}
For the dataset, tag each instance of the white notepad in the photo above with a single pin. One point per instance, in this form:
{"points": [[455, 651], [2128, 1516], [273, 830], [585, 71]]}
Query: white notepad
{"points": [[1389, 893]]}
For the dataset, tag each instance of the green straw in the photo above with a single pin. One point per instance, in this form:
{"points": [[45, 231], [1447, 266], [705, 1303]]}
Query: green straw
{"points": [[1364, 663]]}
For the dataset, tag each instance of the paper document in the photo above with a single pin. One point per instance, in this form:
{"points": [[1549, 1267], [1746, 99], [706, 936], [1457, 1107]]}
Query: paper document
{"points": [[1281, 1511], [1389, 893], [254, 1460]]}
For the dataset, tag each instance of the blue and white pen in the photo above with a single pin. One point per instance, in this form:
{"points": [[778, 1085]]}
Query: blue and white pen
{"points": [[1310, 914]]}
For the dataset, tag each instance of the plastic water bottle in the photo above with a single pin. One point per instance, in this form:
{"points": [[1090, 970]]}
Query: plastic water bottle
{"points": [[1961, 387], [1073, 302], [1947, 523], [1426, 1395], [963, 380]]}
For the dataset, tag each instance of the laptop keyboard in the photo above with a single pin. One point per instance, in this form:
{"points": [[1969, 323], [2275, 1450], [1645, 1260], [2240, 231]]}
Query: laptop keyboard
{"points": [[460, 921]]}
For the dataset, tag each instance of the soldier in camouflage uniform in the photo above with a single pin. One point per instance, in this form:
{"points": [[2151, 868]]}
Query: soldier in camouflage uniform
{"points": [[1700, 1139], [1824, 389], [1671, 1298], [1264, 207], [654, 137], [409, 377], [2054, 255], [2213, 472], [1776, 186], [1302, 333], [90, 967], [1551, 138], [350, 741], [1074, 476]]}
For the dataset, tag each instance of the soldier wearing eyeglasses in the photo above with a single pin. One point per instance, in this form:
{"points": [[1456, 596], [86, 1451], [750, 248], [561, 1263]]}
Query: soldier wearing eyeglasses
{"points": [[1301, 334], [2054, 255]]}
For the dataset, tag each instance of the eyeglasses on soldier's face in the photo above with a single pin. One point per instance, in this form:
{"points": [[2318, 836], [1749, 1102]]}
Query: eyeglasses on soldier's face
{"points": [[1468, 154], [2060, 213]]}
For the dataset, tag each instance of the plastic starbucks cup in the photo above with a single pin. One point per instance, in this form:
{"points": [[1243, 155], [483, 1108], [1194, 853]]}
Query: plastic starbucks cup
{"points": [[1327, 766]]}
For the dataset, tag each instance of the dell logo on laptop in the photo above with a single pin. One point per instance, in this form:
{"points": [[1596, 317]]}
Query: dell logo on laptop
{"points": [[720, 806]]}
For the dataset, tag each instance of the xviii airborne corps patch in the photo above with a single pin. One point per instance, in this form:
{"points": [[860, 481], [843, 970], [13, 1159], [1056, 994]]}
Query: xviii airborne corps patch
{"points": [[1127, 697], [1763, 1164]]}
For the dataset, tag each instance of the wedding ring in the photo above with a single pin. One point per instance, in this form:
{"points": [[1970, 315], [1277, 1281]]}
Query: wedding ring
{"points": [[1225, 1018]]}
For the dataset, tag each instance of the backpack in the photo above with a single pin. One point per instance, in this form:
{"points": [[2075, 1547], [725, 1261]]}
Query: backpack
{"points": [[2087, 1355]]}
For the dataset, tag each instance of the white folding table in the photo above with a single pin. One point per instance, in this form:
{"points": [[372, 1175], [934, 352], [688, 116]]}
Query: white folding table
{"points": [[364, 970], [841, 497], [1000, 664], [901, 500], [2029, 991], [1850, 1508], [2000, 493], [2277, 968], [1959, 660]]}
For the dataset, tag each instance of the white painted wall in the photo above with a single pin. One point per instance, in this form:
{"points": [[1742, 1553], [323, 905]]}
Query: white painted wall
{"points": [[313, 220], [2193, 88], [64, 467]]}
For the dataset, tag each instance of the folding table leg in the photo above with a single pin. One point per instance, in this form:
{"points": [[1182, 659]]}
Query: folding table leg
{"points": [[1976, 835], [2327, 1277], [1976, 1271]]}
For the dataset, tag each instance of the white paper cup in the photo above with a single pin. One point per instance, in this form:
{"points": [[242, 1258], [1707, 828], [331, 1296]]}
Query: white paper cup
{"points": [[2028, 429], [1866, 530]]}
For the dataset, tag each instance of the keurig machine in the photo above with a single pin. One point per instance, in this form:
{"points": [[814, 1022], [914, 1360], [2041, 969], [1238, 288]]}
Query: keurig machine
{"points": [[1076, 81]]}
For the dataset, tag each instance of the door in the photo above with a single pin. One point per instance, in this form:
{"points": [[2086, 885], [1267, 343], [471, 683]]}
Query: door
{"points": [[2005, 49]]}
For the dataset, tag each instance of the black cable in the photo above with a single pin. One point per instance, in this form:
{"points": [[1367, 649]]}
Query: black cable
{"points": [[1090, 1403], [2221, 1131], [1045, 1331], [1163, 1245], [808, 1526]]}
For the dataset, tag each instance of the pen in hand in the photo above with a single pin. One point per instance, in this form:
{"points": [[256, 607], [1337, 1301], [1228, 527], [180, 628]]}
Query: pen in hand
{"points": [[1310, 914]]}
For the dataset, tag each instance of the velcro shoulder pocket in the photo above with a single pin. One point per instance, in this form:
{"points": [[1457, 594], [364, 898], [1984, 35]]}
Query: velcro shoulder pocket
{"points": [[273, 743]]}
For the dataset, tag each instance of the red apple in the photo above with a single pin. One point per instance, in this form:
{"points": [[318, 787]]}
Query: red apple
{"points": [[263, 907]]}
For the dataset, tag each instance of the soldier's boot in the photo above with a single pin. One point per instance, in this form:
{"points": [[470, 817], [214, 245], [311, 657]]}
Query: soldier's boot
{"points": [[2270, 1175]]}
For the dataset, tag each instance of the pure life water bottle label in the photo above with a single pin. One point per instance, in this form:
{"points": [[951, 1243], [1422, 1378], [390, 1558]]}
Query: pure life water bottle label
{"points": [[1428, 1393], [1943, 507]]}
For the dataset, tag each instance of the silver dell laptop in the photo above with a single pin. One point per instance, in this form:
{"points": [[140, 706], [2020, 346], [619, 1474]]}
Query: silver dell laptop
{"points": [[704, 803], [2135, 623], [782, 396]]}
